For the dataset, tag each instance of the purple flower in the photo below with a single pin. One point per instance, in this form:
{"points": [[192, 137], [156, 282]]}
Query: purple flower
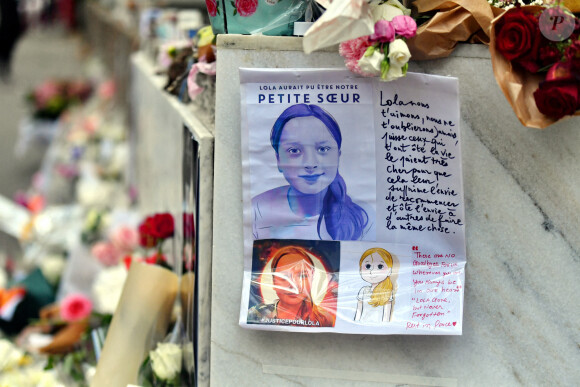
{"points": [[404, 26], [384, 32]]}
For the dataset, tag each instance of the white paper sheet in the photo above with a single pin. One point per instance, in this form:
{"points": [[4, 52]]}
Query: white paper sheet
{"points": [[380, 250]]}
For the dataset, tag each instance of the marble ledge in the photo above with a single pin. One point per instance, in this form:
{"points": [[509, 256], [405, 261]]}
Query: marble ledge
{"points": [[144, 61], [294, 43]]}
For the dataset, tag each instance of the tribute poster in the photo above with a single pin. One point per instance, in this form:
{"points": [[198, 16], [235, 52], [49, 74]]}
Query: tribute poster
{"points": [[353, 203]]}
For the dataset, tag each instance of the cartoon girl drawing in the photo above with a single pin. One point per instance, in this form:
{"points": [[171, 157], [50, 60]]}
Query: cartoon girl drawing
{"points": [[293, 275], [375, 302], [315, 204]]}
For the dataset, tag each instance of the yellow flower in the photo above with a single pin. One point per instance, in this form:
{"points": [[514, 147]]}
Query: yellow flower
{"points": [[205, 36]]}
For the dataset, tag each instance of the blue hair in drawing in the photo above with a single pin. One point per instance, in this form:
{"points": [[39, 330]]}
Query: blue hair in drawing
{"points": [[319, 152]]}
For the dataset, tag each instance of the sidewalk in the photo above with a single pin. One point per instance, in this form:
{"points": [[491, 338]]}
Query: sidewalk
{"points": [[40, 54]]}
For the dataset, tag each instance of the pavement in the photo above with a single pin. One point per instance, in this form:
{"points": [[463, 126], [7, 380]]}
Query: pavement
{"points": [[42, 53]]}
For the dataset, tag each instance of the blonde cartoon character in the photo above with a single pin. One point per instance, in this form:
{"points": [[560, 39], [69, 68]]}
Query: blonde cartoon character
{"points": [[375, 302]]}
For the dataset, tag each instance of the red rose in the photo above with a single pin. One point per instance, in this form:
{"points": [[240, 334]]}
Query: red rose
{"points": [[573, 57], [246, 7], [211, 7], [557, 98], [519, 38], [549, 55], [163, 225], [147, 234]]}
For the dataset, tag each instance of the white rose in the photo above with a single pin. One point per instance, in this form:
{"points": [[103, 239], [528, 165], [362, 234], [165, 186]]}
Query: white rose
{"points": [[52, 267], [387, 11], [10, 355], [372, 64], [108, 287], [399, 53], [393, 73], [166, 360]]}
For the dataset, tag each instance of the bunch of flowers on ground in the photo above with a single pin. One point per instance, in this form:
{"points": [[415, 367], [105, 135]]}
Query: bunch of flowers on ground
{"points": [[51, 98]]}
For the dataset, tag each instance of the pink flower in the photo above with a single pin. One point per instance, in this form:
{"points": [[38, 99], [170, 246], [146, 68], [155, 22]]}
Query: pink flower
{"points": [[211, 7], [106, 253], [384, 32], [352, 50], [125, 239], [68, 171], [404, 26], [193, 89], [46, 92], [246, 7], [107, 90], [75, 307]]}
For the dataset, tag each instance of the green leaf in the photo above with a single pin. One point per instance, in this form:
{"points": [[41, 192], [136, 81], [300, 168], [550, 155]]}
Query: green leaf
{"points": [[370, 51], [405, 68], [50, 363], [384, 68]]}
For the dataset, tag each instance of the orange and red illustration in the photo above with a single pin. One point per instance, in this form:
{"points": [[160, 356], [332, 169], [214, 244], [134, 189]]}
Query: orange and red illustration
{"points": [[294, 283]]}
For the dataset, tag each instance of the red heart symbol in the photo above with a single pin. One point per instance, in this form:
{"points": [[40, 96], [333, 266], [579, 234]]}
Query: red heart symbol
{"points": [[454, 323]]}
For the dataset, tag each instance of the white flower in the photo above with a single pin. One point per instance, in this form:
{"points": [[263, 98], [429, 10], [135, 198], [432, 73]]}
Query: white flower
{"points": [[393, 73], [90, 372], [166, 360], [52, 267], [10, 356], [92, 192], [372, 64], [108, 287], [387, 11], [399, 53], [47, 379], [119, 159]]}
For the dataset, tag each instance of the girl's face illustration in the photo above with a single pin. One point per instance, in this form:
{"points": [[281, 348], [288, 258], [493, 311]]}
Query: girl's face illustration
{"points": [[293, 278], [308, 155], [374, 269]]}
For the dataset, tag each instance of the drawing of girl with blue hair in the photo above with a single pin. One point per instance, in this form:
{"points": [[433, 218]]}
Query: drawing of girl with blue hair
{"points": [[315, 204]]}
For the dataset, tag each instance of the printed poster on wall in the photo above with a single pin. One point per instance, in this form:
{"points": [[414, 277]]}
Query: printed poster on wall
{"points": [[353, 203]]}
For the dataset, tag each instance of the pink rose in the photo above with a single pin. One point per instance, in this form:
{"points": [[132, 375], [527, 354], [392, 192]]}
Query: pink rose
{"points": [[384, 32], [106, 253], [211, 7], [246, 7], [404, 26], [125, 239], [75, 307]]}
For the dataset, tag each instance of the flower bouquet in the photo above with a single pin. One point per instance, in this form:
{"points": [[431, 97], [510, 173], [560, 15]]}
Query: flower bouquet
{"points": [[384, 53], [51, 98], [537, 66]]}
